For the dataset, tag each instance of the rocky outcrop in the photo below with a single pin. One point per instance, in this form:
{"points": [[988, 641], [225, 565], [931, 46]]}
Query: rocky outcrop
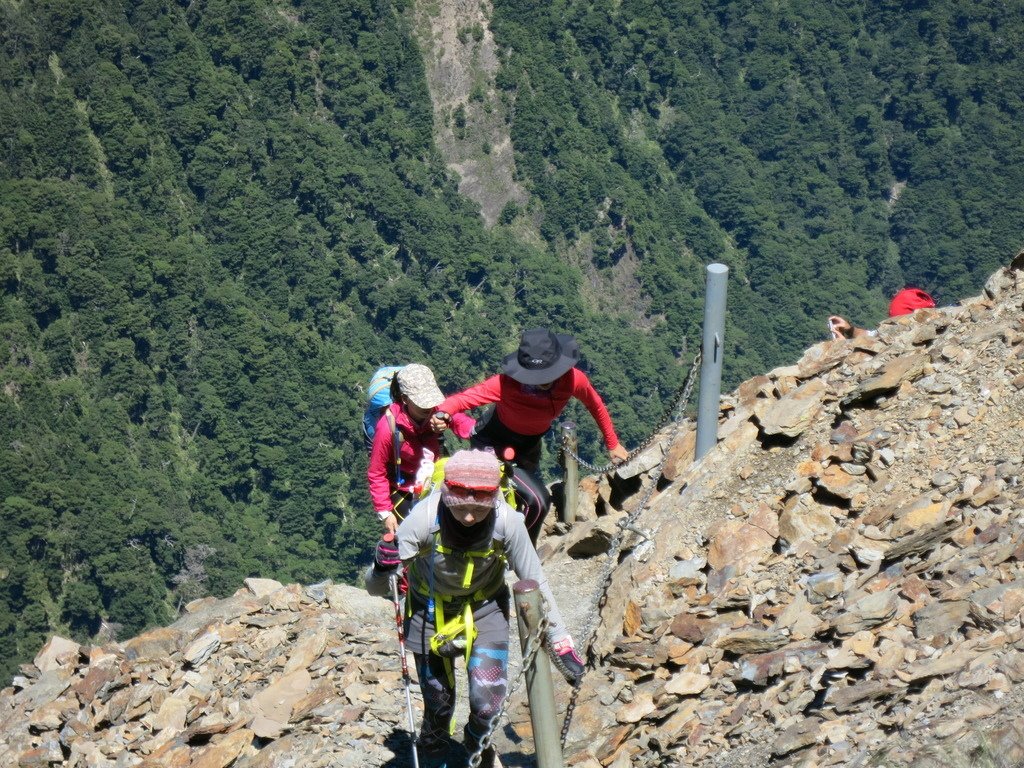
{"points": [[274, 676], [839, 582]]}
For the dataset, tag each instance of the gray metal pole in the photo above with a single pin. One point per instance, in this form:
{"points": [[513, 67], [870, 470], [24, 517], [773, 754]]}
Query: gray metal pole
{"points": [[711, 358], [539, 688], [570, 474]]}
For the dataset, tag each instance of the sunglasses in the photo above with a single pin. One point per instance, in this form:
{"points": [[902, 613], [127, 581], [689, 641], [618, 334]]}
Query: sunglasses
{"points": [[480, 494]]}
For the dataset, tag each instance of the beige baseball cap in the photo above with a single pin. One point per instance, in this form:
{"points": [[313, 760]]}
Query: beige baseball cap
{"points": [[417, 383]]}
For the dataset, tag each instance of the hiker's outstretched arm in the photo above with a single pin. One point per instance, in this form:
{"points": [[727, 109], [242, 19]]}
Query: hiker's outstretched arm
{"points": [[584, 391], [526, 564], [487, 391]]}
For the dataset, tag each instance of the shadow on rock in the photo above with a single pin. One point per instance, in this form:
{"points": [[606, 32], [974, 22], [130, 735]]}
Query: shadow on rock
{"points": [[399, 742]]}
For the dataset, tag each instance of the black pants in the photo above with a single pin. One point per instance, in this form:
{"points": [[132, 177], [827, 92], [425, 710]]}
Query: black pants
{"points": [[401, 503]]}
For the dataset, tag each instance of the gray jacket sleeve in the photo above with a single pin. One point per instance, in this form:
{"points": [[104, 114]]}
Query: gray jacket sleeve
{"points": [[378, 582], [526, 564], [413, 532]]}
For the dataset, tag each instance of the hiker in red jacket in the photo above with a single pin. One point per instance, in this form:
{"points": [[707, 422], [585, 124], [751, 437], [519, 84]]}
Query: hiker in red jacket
{"points": [[537, 383], [903, 303], [406, 444]]}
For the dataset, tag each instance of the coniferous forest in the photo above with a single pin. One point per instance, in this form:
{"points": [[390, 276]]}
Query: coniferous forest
{"points": [[217, 218]]}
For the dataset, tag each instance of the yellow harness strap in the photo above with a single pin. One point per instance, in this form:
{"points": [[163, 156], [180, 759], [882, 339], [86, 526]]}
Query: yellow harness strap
{"points": [[445, 630], [470, 556]]}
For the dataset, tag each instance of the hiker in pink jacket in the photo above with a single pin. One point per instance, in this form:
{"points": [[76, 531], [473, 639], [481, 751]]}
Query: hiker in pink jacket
{"points": [[406, 445], [538, 382]]}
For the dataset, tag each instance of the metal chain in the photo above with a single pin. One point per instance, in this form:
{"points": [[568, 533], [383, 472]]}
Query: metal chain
{"points": [[533, 646], [601, 594], [672, 414], [624, 525]]}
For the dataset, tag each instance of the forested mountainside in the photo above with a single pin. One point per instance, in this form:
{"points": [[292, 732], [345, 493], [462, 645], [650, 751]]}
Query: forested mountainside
{"points": [[217, 218], [838, 584]]}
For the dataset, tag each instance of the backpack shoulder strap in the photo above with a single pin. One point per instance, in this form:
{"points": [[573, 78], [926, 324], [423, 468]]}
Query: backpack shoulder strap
{"points": [[396, 443]]}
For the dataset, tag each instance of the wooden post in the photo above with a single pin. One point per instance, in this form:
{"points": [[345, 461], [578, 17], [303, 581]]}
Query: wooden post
{"points": [[539, 688]]}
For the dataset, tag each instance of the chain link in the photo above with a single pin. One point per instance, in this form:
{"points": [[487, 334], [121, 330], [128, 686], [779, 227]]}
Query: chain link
{"points": [[601, 593], [533, 646], [672, 414]]}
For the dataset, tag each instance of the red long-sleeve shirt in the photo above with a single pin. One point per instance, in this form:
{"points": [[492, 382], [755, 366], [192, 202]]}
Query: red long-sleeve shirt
{"points": [[417, 441], [529, 410]]}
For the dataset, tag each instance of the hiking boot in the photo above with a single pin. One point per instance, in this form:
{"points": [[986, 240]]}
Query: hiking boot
{"points": [[433, 761]]}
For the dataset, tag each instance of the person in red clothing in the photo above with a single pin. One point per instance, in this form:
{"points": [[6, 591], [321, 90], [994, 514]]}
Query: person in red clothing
{"points": [[406, 444], [903, 303], [909, 300], [538, 382]]}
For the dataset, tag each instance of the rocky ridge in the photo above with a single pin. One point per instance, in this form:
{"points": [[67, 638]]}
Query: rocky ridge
{"points": [[839, 582], [842, 580]]}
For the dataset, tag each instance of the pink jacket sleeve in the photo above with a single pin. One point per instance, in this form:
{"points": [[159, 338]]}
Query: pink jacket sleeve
{"points": [[584, 391], [462, 425], [380, 465]]}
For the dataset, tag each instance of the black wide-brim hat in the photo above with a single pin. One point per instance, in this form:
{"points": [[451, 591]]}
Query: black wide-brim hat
{"points": [[542, 357]]}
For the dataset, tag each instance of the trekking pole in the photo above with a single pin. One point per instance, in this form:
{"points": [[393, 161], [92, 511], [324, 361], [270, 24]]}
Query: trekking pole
{"points": [[405, 662]]}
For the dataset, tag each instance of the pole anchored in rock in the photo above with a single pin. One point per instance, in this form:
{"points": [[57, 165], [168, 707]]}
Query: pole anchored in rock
{"points": [[711, 364], [539, 688], [570, 474]]}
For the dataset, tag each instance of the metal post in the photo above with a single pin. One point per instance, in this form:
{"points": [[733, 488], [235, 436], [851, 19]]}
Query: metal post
{"points": [[711, 358], [570, 474], [539, 688]]}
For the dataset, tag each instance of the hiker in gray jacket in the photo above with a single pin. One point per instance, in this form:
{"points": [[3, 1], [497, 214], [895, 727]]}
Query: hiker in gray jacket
{"points": [[458, 543]]}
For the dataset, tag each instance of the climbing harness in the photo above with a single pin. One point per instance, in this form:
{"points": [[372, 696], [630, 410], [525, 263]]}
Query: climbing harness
{"points": [[454, 631], [454, 636]]}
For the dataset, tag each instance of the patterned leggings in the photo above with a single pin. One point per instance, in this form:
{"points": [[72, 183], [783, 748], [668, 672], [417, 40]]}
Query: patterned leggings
{"points": [[488, 679]]}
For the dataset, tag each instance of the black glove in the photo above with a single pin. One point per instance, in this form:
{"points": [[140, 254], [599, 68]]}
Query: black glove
{"points": [[566, 660], [385, 555]]}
